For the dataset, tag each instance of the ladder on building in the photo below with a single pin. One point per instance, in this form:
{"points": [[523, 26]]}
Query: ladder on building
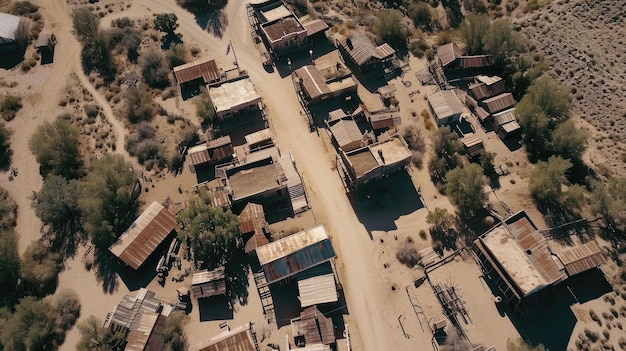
{"points": [[266, 298]]}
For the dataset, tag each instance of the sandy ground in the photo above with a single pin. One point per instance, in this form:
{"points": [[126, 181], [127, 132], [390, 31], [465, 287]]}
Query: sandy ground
{"points": [[365, 243]]}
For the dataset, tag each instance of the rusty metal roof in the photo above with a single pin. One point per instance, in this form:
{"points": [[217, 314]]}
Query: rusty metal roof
{"points": [[205, 68], [314, 326], [144, 235], [207, 283], [477, 61], [482, 90], [582, 258], [125, 314], [282, 27], [499, 103], [239, 339], [448, 53], [250, 217], [385, 119], [198, 154], [295, 253], [148, 334]]}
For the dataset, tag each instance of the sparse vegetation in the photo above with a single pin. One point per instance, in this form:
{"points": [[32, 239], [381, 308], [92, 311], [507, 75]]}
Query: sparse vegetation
{"points": [[6, 152], [390, 28], [56, 147], [204, 108], [176, 55], [446, 150], [407, 254], [521, 345], [145, 146], [154, 69], [139, 105], [9, 106]]}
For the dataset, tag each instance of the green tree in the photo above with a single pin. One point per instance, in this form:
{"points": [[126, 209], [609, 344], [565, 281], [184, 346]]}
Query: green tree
{"points": [[40, 269], [8, 210], [465, 188], [486, 163], [521, 345], [204, 108], [176, 55], [389, 27], [502, 40], [569, 141], [56, 204], [139, 104], [166, 22], [67, 307], [552, 97], [86, 24], [9, 265], [446, 146], [421, 14], [214, 234], [108, 200], [96, 55], [440, 220], [56, 147], [547, 179], [5, 147], [610, 202], [474, 31], [30, 327], [154, 68], [95, 337], [174, 338], [536, 124]]}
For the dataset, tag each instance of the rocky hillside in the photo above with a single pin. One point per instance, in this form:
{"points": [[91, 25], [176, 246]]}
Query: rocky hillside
{"points": [[585, 41]]}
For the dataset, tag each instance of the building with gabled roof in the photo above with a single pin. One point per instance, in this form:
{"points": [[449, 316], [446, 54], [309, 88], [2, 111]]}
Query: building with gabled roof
{"points": [[506, 123], [357, 50], [316, 290], [149, 334], [146, 233], [384, 119], [312, 85], [450, 57], [127, 313], [242, 338], [253, 227], [446, 107], [346, 133], [485, 87], [203, 71], [312, 327], [498, 103], [214, 151], [288, 256]]}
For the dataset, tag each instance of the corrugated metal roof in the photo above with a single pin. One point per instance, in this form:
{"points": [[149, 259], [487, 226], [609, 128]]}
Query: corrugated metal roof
{"points": [[386, 91], [345, 132], [239, 339], [205, 68], [292, 254], [504, 117], [312, 81], [317, 290], [336, 115], [361, 48], [198, 154], [272, 14], [536, 248], [498, 103], [251, 216], [220, 149], [477, 61], [385, 119], [207, 283], [138, 337], [473, 145], [258, 138], [8, 26], [582, 258], [314, 347], [510, 127], [126, 313], [482, 114], [445, 104], [448, 53], [482, 90], [314, 27], [144, 235], [314, 326]]}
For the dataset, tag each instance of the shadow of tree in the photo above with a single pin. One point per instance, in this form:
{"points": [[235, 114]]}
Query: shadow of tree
{"points": [[211, 18], [106, 266], [236, 271]]}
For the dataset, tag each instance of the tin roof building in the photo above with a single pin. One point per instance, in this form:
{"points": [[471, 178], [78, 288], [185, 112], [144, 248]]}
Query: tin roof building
{"points": [[207, 283], [242, 338], [446, 107], [146, 233]]}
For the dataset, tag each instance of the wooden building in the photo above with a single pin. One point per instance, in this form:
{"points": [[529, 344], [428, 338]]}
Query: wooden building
{"points": [[446, 107], [312, 85], [207, 283], [359, 52]]}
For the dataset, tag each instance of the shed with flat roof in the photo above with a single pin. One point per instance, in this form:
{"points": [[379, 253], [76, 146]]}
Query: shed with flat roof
{"points": [[146, 233], [204, 69], [317, 290], [346, 133], [207, 283], [582, 258], [234, 97]]}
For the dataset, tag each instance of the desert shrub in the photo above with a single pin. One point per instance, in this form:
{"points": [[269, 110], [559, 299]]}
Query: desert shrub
{"points": [[176, 55], [418, 47], [144, 146], [169, 93], [56, 147], [389, 27], [194, 51], [591, 335], [412, 136], [154, 68], [8, 210], [421, 15], [40, 269], [444, 37], [5, 148], [91, 110], [127, 38], [422, 234], [122, 22], [407, 254], [204, 108], [23, 8], [9, 105], [67, 306], [139, 105]]}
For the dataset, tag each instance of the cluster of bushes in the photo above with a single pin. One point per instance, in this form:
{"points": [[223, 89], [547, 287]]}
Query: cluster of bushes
{"points": [[9, 105], [5, 147], [144, 145]]}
